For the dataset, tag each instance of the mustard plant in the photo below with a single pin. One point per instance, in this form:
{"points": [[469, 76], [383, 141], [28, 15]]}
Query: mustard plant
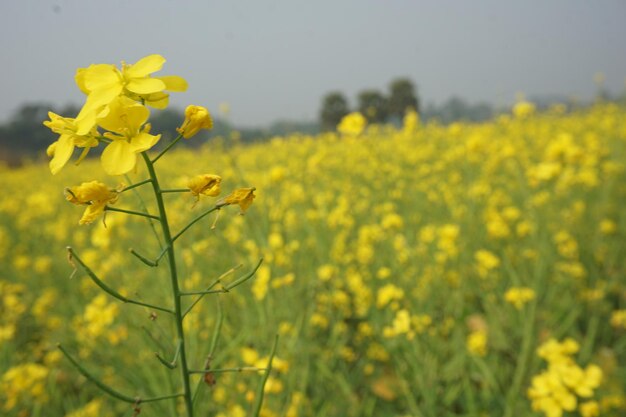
{"points": [[115, 114]]}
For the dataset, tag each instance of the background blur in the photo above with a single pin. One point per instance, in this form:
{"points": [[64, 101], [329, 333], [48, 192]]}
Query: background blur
{"points": [[271, 63]]}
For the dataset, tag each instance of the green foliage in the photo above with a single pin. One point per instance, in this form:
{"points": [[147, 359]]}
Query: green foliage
{"points": [[402, 96], [334, 108], [373, 105]]}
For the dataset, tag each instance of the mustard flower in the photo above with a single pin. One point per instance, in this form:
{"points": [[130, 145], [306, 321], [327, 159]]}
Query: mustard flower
{"points": [[242, 196], [206, 184], [196, 118], [104, 82], [128, 133], [61, 150], [95, 195], [477, 342], [352, 124], [518, 296]]}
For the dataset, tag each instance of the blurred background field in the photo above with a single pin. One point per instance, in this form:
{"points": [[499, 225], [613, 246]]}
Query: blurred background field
{"points": [[455, 249], [409, 271]]}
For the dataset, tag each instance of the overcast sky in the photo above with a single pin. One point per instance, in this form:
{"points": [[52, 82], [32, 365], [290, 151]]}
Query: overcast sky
{"points": [[276, 59]]}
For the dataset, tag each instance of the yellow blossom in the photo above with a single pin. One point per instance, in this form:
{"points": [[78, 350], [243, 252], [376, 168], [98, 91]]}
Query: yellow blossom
{"points": [[242, 196], [104, 82], [128, 133], [477, 342], [589, 409], [518, 296], [61, 150], [205, 184], [618, 319], [196, 118], [352, 124], [95, 195]]}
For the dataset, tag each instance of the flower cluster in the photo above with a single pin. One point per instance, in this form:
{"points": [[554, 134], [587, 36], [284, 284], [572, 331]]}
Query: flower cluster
{"points": [[518, 296], [115, 112], [559, 388]]}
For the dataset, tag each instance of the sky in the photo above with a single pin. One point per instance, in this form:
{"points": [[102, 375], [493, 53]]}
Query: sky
{"points": [[275, 60]]}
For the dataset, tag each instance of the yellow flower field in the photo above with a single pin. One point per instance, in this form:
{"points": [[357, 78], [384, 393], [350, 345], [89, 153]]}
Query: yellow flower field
{"points": [[430, 270]]}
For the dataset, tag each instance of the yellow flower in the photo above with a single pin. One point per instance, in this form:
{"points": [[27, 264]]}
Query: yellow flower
{"points": [[206, 184], [518, 296], [104, 82], [196, 118], [352, 124], [128, 135], [618, 319], [523, 109], [589, 409], [95, 195], [62, 149], [477, 342], [241, 196]]}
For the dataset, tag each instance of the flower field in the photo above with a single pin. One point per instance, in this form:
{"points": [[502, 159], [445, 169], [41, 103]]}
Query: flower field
{"points": [[426, 270]]}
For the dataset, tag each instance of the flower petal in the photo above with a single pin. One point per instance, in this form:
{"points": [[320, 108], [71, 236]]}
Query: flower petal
{"points": [[174, 83], [145, 85], [157, 100], [62, 153], [98, 77], [145, 66], [118, 158], [144, 141]]}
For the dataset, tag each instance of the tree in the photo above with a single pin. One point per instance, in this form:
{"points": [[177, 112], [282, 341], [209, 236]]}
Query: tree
{"points": [[402, 97], [373, 105], [334, 108]]}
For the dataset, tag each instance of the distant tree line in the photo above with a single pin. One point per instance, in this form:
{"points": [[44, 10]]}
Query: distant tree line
{"points": [[373, 104], [24, 136]]}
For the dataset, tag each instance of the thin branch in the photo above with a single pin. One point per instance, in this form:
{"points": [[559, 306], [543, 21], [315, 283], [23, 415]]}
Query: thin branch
{"points": [[138, 184], [143, 258], [176, 190], [228, 287], [167, 148], [261, 388], [194, 221], [109, 390], [213, 284], [171, 364], [109, 290], [222, 370], [134, 213]]}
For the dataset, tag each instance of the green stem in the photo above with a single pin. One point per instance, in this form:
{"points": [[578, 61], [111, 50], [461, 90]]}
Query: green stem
{"points": [[134, 213], [169, 244], [194, 221], [138, 184], [171, 364], [176, 190], [216, 336], [217, 281], [228, 287], [147, 261], [109, 390], [167, 148], [110, 290], [222, 370], [261, 388], [522, 362]]}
